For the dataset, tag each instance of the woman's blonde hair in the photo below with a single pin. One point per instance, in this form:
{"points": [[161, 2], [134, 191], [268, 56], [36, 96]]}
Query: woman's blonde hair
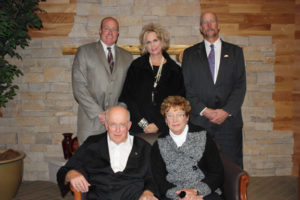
{"points": [[162, 35], [175, 102]]}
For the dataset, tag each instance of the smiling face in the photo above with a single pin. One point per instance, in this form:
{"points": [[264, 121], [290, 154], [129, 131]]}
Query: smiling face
{"points": [[176, 120], [153, 44], [109, 31], [118, 124], [209, 27]]}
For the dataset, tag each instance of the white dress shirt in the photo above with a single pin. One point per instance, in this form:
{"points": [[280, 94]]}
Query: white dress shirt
{"points": [[217, 46], [179, 139], [119, 153], [106, 51]]}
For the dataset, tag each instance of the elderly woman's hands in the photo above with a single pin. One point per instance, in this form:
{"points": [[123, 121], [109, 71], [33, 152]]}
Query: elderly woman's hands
{"points": [[190, 194]]}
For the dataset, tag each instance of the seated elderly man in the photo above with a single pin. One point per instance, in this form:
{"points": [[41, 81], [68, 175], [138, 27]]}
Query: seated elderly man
{"points": [[113, 165]]}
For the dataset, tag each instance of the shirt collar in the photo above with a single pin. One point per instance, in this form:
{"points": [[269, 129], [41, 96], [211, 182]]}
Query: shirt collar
{"points": [[179, 139], [105, 46], [128, 141], [216, 43]]}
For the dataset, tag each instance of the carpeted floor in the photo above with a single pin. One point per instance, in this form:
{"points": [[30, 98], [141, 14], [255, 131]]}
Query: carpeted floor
{"points": [[259, 188]]}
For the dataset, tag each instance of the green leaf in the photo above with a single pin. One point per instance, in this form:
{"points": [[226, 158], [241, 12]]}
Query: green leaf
{"points": [[16, 17]]}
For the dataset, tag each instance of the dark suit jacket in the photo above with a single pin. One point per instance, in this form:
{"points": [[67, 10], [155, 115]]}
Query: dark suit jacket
{"points": [[92, 160], [227, 93]]}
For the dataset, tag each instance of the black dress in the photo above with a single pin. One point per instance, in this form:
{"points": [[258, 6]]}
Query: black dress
{"points": [[138, 88]]}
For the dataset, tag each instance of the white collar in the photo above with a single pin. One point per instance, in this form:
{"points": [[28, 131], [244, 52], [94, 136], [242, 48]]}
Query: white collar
{"points": [[216, 43], [105, 46], [179, 139], [129, 141]]}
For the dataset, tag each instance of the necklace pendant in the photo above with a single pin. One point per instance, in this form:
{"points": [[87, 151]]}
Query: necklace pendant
{"points": [[153, 97]]}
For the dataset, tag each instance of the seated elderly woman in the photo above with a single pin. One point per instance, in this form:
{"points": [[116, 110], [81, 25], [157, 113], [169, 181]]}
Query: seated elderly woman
{"points": [[185, 165]]}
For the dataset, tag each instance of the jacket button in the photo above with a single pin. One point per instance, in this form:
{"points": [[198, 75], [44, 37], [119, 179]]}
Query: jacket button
{"points": [[195, 167]]}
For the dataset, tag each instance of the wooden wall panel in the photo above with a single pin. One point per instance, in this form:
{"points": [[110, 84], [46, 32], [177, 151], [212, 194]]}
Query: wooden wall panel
{"points": [[296, 91], [58, 19]]}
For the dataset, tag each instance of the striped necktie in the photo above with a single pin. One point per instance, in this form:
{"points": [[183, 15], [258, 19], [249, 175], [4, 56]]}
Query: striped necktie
{"points": [[211, 60], [110, 59]]}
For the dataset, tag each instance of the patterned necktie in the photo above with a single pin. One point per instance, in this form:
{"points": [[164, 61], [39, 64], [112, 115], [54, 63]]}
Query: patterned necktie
{"points": [[110, 59], [211, 60]]}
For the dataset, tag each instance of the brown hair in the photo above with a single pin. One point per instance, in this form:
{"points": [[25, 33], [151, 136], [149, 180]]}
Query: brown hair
{"points": [[175, 102]]}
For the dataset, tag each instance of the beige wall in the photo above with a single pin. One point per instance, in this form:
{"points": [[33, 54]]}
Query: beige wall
{"points": [[45, 108]]}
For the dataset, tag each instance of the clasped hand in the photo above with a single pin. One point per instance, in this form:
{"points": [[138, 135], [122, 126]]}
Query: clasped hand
{"points": [[217, 116]]}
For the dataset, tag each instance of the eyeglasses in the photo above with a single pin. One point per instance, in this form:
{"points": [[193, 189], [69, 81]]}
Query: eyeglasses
{"points": [[114, 126], [178, 115], [107, 29], [209, 21]]}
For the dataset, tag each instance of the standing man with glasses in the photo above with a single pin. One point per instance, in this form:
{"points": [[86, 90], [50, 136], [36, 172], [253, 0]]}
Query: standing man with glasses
{"points": [[98, 75], [215, 81]]}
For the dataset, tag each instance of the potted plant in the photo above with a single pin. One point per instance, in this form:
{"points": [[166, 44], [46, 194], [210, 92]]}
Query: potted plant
{"points": [[11, 172], [16, 17]]}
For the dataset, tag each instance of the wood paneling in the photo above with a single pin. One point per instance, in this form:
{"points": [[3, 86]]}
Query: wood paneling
{"points": [[58, 19], [134, 49], [296, 90]]}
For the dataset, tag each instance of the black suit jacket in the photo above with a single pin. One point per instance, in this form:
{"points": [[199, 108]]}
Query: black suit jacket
{"points": [[92, 160], [227, 93]]}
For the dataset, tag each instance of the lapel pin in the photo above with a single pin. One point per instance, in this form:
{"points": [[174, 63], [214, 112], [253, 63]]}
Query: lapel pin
{"points": [[226, 56]]}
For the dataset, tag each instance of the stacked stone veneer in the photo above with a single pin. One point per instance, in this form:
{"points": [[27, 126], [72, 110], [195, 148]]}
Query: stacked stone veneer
{"points": [[45, 108]]}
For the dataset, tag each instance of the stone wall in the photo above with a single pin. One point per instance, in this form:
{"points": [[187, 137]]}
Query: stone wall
{"points": [[45, 108]]}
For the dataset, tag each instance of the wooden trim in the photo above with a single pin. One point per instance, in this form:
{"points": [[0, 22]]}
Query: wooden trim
{"points": [[77, 195], [134, 49], [244, 180]]}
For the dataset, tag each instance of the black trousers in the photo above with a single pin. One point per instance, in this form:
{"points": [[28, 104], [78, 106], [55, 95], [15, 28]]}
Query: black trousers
{"points": [[229, 140]]}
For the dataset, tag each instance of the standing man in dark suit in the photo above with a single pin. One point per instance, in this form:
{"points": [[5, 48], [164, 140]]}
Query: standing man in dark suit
{"points": [[215, 81], [98, 75], [114, 165]]}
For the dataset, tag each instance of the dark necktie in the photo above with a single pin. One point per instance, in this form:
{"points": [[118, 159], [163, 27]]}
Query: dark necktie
{"points": [[211, 60], [110, 59]]}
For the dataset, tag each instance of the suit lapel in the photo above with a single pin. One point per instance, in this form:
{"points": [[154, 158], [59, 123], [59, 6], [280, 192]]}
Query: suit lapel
{"points": [[133, 156], [224, 55], [117, 58], [204, 61], [104, 148], [103, 58]]}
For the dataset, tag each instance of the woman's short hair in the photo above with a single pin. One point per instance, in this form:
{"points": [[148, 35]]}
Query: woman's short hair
{"points": [[175, 102], [162, 34]]}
